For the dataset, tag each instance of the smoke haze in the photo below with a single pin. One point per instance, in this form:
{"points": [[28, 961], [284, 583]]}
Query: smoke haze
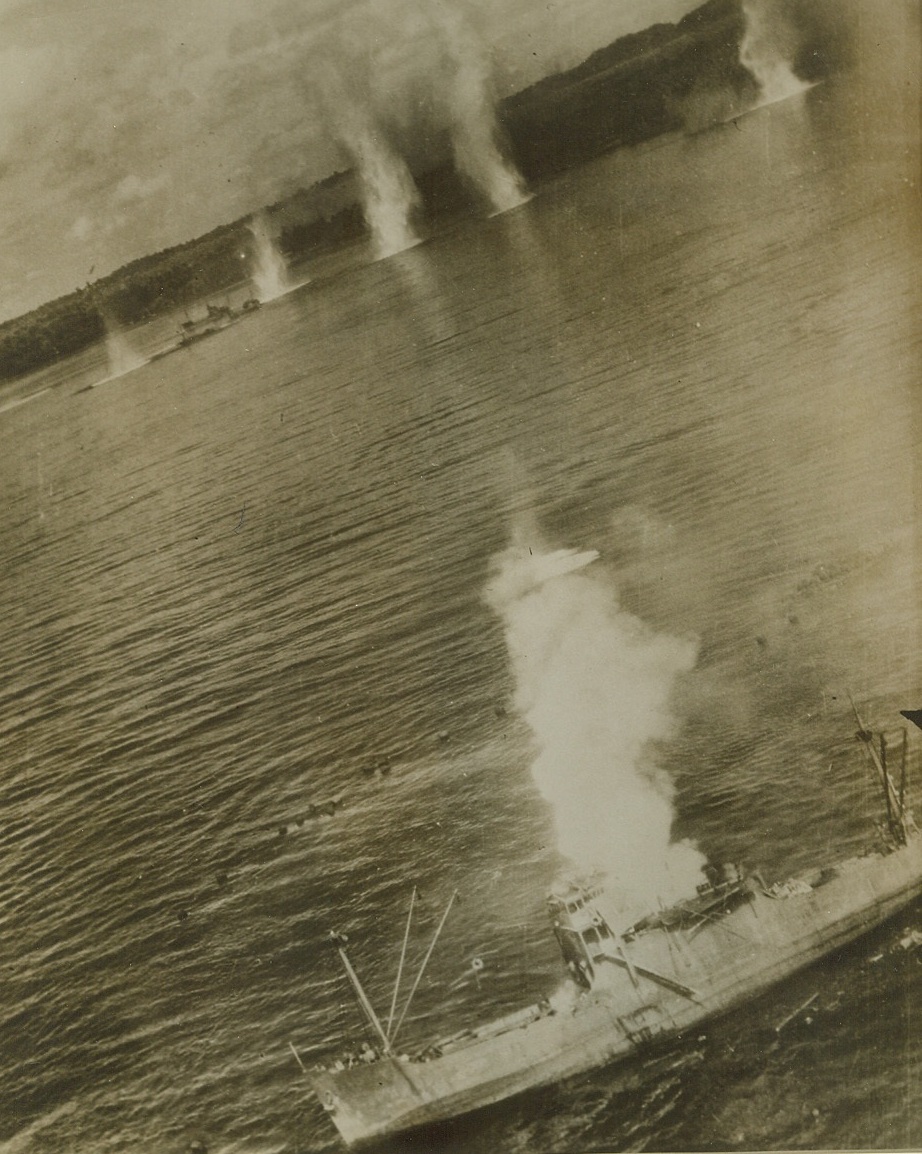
{"points": [[768, 49], [129, 127], [472, 115], [270, 275], [445, 87], [390, 197], [121, 356], [594, 683]]}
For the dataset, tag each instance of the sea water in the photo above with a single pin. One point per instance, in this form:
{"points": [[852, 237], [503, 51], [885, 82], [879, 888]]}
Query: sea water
{"points": [[252, 690]]}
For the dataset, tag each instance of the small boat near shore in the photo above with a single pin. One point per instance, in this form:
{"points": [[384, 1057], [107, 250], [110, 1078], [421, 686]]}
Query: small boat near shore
{"points": [[629, 985], [217, 318]]}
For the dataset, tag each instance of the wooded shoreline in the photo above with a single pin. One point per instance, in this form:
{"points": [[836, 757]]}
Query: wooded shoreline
{"points": [[668, 77]]}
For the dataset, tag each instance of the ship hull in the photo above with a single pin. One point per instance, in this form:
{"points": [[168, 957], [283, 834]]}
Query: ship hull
{"points": [[714, 967]]}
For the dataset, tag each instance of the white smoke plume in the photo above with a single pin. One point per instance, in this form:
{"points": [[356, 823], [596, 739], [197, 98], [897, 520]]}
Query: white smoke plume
{"points": [[594, 683], [445, 82], [390, 197], [766, 51], [270, 273], [97, 110], [389, 192], [121, 355], [471, 104]]}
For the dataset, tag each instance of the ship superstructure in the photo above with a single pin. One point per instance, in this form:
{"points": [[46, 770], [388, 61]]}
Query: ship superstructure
{"points": [[630, 985]]}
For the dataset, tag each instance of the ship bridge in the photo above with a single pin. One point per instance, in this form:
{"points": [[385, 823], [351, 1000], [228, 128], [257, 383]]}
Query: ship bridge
{"points": [[587, 941], [583, 934]]}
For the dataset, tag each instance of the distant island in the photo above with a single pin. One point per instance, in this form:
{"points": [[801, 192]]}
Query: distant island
{"points": [[665, 78]]}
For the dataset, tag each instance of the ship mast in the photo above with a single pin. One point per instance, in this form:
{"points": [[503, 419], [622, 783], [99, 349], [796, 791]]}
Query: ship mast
{"points": [[403, 955], [904, 755], [422, 968], [899, 823], [388, 1035], [339, 941]]}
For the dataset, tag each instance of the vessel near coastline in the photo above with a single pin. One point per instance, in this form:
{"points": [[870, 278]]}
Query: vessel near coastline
{"points": [[217, 317], [629, 986]]}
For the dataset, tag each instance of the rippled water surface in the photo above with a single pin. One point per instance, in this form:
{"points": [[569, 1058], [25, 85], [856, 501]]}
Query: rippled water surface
{"points": [[238, 575]]}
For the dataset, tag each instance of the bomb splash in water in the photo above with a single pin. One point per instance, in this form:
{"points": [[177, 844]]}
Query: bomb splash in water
{"points": [[765, 52], [390, 198], [389, 193], [270, 273], [471, 107], [121, 355], [594, 683]]}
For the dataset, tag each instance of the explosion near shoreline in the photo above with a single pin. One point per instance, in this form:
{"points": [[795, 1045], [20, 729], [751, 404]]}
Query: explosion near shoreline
{"points": [[549, 126]]}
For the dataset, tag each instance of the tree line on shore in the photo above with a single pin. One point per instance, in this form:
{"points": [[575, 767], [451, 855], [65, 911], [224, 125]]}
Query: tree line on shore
{"points": [[638, 87]]}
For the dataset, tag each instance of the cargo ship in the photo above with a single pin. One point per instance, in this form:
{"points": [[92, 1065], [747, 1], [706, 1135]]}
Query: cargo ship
{"points": [[629, 985]]}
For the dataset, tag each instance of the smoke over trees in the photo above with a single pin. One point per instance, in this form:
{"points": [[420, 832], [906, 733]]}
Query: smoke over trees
{"points": [[408, 96]]}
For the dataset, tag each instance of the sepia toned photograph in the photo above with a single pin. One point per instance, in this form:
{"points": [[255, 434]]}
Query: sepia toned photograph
{"points": [[461, 685]]}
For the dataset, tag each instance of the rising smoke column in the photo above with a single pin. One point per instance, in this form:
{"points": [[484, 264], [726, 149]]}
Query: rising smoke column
{"points": [[468, 93], [389, 193], [394, 76], [270, 273], [766, 51], [121, 355], [594, 683]]}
